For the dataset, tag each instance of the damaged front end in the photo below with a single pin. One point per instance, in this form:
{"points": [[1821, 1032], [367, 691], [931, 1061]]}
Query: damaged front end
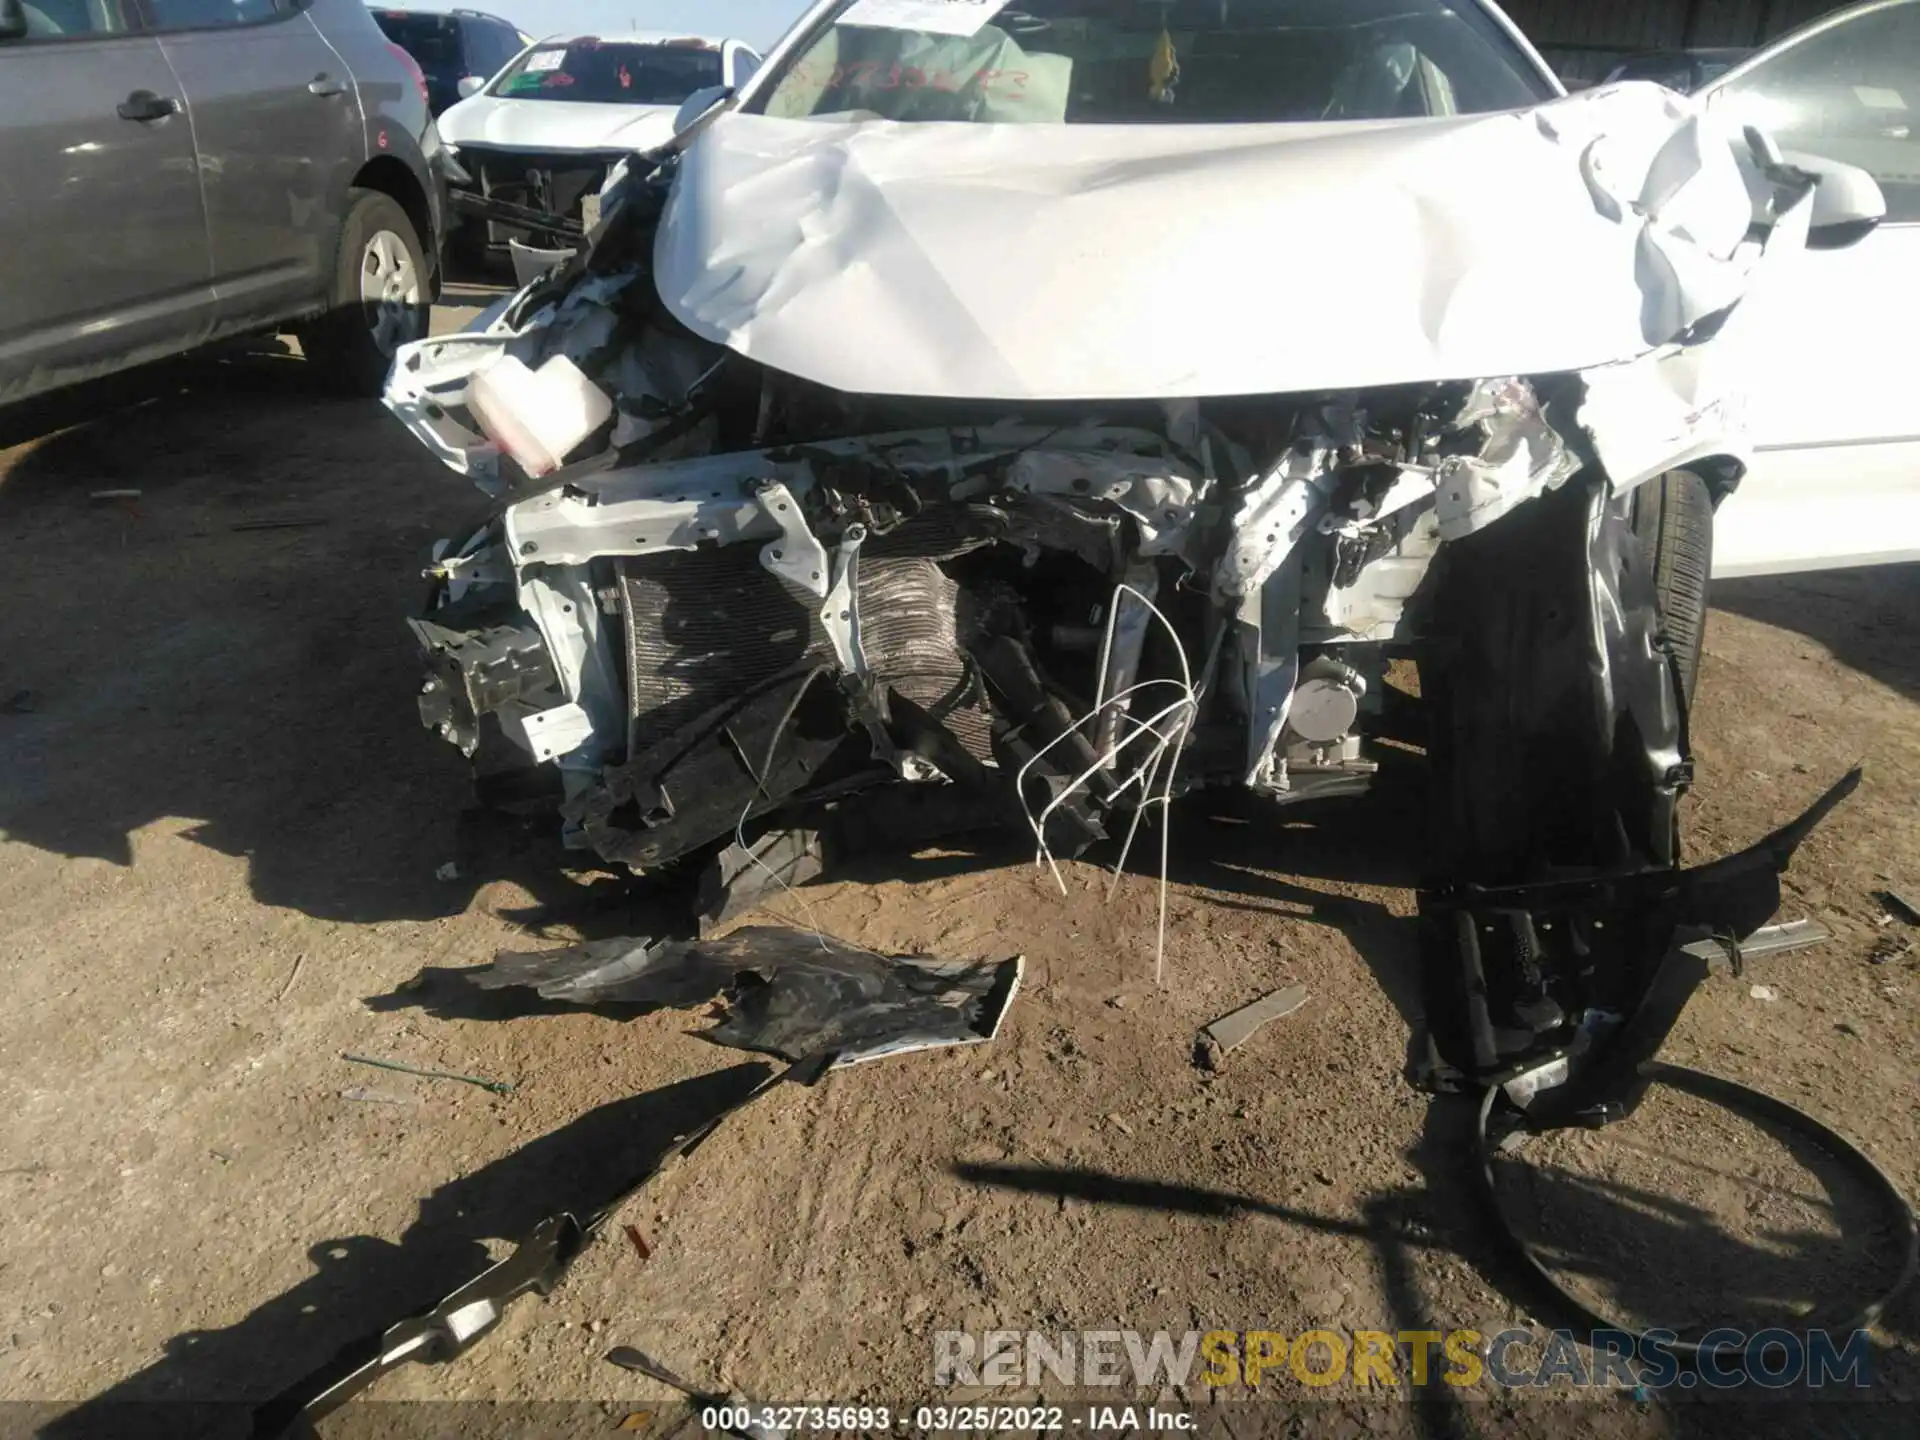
{"points": [[726, 615], [1008, 614]]}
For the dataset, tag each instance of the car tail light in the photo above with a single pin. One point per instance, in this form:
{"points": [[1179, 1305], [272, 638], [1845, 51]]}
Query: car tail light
{"points": [[413, 69]]}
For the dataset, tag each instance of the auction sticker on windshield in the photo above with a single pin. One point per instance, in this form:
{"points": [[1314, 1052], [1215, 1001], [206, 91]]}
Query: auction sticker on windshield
{"points": [[542, 61], [933, 17]]}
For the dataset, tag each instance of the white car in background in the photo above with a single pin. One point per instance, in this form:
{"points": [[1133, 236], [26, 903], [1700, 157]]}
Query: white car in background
{"points": [[544, 132], [1834, 474]]}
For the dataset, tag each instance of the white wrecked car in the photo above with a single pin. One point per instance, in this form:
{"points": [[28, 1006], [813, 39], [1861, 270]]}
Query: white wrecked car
{"points": [[546, 130], [1026, 413]]}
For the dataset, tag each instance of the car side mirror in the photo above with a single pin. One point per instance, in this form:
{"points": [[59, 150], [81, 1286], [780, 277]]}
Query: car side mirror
{"points": [[1848, 204], [13, 20], [471, 85], [695, 107]]}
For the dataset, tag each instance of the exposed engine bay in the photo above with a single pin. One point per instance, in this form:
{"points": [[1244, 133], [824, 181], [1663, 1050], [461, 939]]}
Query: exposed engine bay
{"points": [[1045, 611], [763, 620], [561, 183]]}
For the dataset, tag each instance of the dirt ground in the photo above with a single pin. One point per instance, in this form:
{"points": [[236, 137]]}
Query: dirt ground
{"points": [[222, 828]]}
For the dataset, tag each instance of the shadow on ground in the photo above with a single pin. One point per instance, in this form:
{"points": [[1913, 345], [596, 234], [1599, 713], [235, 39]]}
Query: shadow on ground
{"points": [[227, 649], [1865, 618], [1641, 1237], [207, 1383], [1396, 1224]]}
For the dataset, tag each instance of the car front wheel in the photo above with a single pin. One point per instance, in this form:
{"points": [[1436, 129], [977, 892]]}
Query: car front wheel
{"points": [[379, 300], [1673, 516]]}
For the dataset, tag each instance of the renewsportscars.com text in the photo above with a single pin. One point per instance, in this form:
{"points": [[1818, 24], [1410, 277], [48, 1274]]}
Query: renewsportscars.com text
{"points": [[1463, 1359]]}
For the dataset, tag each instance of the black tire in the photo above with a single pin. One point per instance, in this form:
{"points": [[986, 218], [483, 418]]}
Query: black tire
{"points": [[1673, 516], [352, 344], [1537, 766]]}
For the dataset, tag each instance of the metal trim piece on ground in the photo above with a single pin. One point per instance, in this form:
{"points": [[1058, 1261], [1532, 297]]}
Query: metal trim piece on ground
{"points": [[1732, 1095]]}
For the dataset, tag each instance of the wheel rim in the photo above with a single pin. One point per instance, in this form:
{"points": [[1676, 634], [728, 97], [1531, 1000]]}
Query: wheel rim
{"points": [[390, 290]]}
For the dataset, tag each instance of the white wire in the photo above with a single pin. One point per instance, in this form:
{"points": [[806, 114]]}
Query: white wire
{"points": [[1106, 758], [740, 839], [1165, 803], [1112, 753], [1167, 753], [1166, 799], [1157, 769], [1185, 683]]}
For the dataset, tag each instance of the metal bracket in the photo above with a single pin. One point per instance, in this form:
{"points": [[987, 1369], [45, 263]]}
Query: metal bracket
{"points": [[840, 616], [1274, 517], [1130, 622], [440, 1335], [797, 557], [548, 734], [1270, 639], [1723, 953], [841, 613]]}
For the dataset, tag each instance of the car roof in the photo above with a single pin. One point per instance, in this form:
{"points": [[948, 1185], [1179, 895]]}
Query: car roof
{"points": [[445, 15], [647, 37]]}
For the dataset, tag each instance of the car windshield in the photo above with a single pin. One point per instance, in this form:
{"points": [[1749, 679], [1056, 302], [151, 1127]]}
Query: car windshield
{"points": [[1153, 61], [611, 73], [432, 40]]}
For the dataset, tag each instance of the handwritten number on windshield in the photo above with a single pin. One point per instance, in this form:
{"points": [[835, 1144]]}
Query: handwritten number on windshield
{"points": [[870, 75]]}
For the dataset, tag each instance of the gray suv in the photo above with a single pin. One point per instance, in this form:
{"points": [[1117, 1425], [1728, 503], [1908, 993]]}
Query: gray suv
{"points": [[176, 171]]}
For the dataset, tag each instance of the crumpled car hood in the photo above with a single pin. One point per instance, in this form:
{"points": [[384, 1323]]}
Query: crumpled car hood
{"points": [[1037, 262], [556, 124]]}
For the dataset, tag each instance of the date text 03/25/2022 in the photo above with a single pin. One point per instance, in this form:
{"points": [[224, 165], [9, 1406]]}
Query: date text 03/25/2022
{"points": [[1027, 1419], [943, 1419]]}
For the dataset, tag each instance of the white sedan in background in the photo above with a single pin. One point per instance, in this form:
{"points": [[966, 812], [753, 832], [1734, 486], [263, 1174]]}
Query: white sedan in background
{"points": [[1834, 478], [545, 131]]}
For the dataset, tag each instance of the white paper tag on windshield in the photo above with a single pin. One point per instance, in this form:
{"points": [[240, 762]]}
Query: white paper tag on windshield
{"points": [[542, 61], [934, 17]]}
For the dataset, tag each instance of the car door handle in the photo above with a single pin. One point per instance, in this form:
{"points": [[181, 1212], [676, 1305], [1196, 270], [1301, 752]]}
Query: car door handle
{"points": [[325, 84], [145, 105]]}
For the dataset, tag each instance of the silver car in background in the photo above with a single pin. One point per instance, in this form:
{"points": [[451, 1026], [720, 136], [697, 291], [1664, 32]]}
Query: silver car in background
{"points": [[177, 171]]}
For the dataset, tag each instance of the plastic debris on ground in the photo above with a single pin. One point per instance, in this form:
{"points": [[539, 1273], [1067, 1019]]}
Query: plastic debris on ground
{"points": [[1768, 940], [1233, 1030], [1889, 948], [788, 992], [1899, 906], [445, 1331]]}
